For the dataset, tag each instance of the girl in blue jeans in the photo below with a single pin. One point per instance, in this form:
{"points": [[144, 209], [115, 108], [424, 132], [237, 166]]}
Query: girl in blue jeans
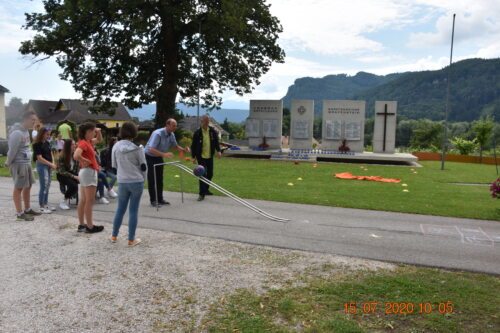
{"points": [[42, 155], [130, 163]]}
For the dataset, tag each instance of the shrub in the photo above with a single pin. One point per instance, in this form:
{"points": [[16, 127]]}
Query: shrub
{"points": [[464, 147]]}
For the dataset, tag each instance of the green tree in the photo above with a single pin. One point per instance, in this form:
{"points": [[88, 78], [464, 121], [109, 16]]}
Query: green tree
{"points": [[483, 128], [318, 127], [225, 124], [369, 127], [16, 102], [404, 132], [144, 51], [427, 135], [286, 121]]}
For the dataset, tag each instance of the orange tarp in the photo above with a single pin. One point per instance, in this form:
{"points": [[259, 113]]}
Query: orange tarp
{"points": [[348, 175]]}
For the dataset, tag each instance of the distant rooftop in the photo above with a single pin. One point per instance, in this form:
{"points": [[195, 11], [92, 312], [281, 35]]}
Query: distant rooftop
{"points": [[3, 89]]}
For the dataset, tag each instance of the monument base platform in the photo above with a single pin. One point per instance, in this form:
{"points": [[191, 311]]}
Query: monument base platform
{"points": [[318, 155]]}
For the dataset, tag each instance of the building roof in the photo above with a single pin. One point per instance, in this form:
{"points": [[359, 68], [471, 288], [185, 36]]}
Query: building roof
{"points": [[82, 108], [190, 123], [3, 89], [77, 111], [43, 109]]}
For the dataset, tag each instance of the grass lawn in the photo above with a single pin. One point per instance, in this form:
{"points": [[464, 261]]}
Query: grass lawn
{"points": [[430, 190], [406, 300]]}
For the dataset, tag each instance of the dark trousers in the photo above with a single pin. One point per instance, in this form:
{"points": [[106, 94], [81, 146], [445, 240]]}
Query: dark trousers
{"points": [[209, 173], [151, 161], [69, 185]]}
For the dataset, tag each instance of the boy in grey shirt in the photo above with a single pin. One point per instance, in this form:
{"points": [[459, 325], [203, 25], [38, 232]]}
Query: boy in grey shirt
{"points": [[19, 163]]}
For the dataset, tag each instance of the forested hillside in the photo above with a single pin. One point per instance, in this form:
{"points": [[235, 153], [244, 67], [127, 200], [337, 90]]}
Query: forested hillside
{"points": [[475, 90]]}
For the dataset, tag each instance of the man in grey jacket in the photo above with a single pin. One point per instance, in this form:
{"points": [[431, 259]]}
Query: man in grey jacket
{"points": [[19, 163]]}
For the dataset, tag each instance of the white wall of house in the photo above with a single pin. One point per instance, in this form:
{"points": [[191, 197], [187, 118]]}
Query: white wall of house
{"points": [[3, 124]]}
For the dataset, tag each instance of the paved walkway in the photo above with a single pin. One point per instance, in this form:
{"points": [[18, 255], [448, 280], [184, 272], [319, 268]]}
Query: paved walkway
{"points": [[452, 243]]}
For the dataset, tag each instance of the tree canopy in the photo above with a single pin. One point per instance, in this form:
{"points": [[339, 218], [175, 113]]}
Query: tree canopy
{"points": [[142, 51]]}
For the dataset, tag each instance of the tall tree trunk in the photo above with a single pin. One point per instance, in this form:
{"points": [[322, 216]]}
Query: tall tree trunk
{"points": [[165, 105], [167, 93]]}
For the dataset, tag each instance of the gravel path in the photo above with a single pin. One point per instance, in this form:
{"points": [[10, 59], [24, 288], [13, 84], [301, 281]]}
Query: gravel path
{"points": [[54, 279]]}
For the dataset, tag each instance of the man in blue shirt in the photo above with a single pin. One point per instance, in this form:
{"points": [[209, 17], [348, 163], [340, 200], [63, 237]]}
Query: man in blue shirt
{"points": [[160, 142]]}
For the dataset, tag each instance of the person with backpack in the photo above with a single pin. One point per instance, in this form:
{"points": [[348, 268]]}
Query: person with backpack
{"points": [[67, 172]]}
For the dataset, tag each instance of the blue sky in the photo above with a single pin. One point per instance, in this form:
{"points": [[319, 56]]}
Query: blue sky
{"points": [[320, 37]]}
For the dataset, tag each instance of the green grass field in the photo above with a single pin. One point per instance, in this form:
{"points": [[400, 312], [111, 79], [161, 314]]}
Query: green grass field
{"points": [[430, 190], [406, 300]]}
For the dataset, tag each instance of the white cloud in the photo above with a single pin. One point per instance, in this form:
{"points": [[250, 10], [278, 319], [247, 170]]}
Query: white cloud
{"points": [[422, 64], [11, 22], [476, 22], [337, 27]]}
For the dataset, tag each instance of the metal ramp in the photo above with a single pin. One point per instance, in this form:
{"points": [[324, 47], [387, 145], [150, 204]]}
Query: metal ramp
{"points": [[219, 188]]}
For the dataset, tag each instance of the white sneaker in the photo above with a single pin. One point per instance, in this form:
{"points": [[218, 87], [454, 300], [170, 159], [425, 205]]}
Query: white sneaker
{"points": [[103, 201], [112, 194], [52, 208], [44, 210], [63, 205]]}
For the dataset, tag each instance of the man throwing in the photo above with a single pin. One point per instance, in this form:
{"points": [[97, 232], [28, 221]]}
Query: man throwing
{"points": [[205, 143], [160, 142]]}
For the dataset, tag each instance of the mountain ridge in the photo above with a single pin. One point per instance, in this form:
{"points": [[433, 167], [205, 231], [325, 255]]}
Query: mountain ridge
{"points": [[474, 90]]}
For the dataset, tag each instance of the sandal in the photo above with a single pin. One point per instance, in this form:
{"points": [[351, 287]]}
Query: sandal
{"points": [[134, 242]]}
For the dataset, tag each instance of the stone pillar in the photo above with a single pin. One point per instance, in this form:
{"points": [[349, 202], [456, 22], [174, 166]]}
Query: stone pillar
{"points": [[301, 123], [343, 119], [384, 132], [265, 120]]}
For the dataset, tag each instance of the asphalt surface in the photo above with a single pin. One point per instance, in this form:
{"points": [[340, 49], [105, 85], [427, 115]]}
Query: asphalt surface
{"points": [[452, 243]]}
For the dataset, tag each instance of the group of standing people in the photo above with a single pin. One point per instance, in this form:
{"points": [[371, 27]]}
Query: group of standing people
{"points": [[79, 166]]}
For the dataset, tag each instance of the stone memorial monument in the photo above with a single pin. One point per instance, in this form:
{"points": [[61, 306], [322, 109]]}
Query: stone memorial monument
{"points": [[384, 132], [343, 120], [301, 123], [264, 124]]}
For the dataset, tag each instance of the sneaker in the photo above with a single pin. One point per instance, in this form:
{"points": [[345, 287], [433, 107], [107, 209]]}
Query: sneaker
{"points": [[31, 212], [113, 239], [95, 228], [103, 200], [154, 204], [24, 217], [209, 193], [51, 208], [134, 242], [44, 210], [63, 205], [201, 198], [163, 202], [82, 227], [112, 194]]}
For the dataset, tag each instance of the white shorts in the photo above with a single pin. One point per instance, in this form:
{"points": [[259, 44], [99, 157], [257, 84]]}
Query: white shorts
{"points": [[88, 177]]}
